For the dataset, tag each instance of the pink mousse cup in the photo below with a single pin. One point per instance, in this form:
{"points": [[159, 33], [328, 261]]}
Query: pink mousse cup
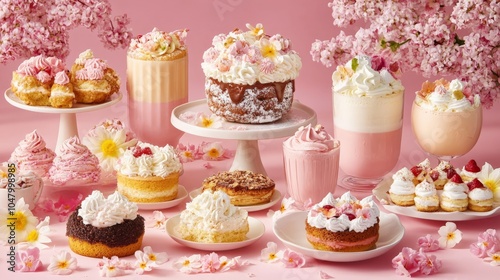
{"points": [[311, 162]]}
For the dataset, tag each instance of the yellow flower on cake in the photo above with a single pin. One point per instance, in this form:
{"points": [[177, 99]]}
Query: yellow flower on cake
{"points": [[20, 221], [108, 141], [490, 178]]}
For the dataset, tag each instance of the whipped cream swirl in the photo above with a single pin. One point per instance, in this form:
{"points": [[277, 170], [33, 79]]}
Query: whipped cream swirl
{"points": [[156, 45], [402, 182], [98, 211], [213, 212], [308, 138], [344, 213], [358, 78], [33, 155], [445, 96]]}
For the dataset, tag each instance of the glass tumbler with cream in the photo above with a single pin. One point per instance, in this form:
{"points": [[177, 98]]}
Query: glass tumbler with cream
{"points": [[157, 82], [368, 119]]}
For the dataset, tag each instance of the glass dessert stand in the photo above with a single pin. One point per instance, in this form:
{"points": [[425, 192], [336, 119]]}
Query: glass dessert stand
{"points": [[247, 155], [67, 116]]}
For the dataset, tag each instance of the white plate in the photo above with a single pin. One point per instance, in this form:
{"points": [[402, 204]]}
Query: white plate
{"points": [[77, 108], [251, 208], [381, 193], [256, 231], [290, 229], [181, 194]]}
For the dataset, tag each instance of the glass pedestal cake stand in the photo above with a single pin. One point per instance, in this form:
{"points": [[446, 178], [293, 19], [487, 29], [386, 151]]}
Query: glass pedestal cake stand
{"points": [[67, 116], [247, 155]]}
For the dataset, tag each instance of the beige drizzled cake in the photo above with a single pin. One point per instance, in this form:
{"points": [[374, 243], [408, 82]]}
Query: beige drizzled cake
{"points": [[211, 218], [148, 173]]}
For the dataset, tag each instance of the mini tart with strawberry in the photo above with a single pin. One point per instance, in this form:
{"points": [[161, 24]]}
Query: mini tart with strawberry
{"points": [[421, 171], [454, 196], [343, 224], [147, 173], [440, 174], [480, 197], [470, 171]]}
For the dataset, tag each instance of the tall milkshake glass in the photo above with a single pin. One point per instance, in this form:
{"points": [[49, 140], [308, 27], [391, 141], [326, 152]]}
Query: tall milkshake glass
{"points": [[157, 82], [368, 119]]}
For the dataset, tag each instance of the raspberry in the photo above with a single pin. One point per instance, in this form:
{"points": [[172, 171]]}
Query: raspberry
{"points": [[456, 179], [147, 151], [416, 170], [137, 152], [471, 166], [475, 184]]}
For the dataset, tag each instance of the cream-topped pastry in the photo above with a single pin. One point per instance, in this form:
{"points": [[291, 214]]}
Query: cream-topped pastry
{"points": [[480, 197], [75, 163], [105, 227], [421, 170], [441, 173], [402, 189], [31, 154], [454, 196], [343, 224], [426, 196], [211, 218], [62, 95], [149, 173], [470, 171], [250, 75]]}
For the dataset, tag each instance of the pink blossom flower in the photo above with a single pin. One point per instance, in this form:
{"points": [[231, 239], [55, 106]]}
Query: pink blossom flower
{"points": [[493, 258], [270, 254], [143, 263], [293, 259], [427, 243], [428, 264], [156, 258], [187, 153], [410, 261], [62, 263], [159, 220], [449, 235], [111, 267], [189, 265], [487, 242], [210, 263], [214, 151], [28, 260]]}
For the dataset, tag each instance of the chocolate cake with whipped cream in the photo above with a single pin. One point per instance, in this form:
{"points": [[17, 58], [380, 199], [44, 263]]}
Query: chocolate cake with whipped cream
{"points": [[250, 76], [105, 227]]}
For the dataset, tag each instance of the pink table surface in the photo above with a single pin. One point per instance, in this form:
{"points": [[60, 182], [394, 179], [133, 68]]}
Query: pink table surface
{"points": [[303, 21]]}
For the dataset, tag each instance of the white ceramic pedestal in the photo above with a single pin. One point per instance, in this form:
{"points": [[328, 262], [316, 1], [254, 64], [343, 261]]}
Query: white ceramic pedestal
{"points": [[247, 156], [67, 120]]}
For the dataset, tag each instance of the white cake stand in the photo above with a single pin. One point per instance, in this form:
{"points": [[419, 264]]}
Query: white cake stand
{"points": [[247, 156], [67, 119]]}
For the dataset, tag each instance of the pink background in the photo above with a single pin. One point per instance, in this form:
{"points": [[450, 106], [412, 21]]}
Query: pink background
{"points": [[303, 21]]}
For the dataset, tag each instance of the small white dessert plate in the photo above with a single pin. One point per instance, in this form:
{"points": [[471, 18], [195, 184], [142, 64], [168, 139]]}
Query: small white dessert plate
{"points": [[251, 208], [290, 229], [257, 229], [181, 194], [381, 193]]}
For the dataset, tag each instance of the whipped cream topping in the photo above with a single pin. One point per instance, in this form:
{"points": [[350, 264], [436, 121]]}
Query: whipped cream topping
{"points": [[445, 96], [425, 165], [213, 212], [402, 182], [247, 57], [31, 154], [61, 78], [162, 161], [309, 138], [344, 213], [22, 178], [98, 211], [426, 194], [442, 170], [358, 77], [42, 67], [454, 190], [480, 194], [74, 162], [84, 56], [157, 45]]}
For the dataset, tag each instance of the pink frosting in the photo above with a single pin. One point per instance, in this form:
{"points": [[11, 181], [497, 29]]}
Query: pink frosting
{"points": [[75, 162], [61, 78], [44, 68], [93, 70], [31, 154], [310, 138]]}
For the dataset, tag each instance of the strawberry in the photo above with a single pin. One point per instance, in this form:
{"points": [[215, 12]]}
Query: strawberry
{"points": [[434, 175], [471, 166], [351, 216], [327, 207], [416, 170], [137, 151], [450, 172], [475, 184], [456, 179], [147, 151]]}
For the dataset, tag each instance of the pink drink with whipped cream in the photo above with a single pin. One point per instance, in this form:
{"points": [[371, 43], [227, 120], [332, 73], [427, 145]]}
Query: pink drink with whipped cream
{"points": [[367, 117], [446, 122], [311, 161], [157, 82]]}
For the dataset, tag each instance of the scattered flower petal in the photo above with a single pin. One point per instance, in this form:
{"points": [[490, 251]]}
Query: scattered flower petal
{"points": [[493, 258], [324, 275], [62, 263], [428, 244], [293, 259], [449, 235], [270, 253], [28, 260]]}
